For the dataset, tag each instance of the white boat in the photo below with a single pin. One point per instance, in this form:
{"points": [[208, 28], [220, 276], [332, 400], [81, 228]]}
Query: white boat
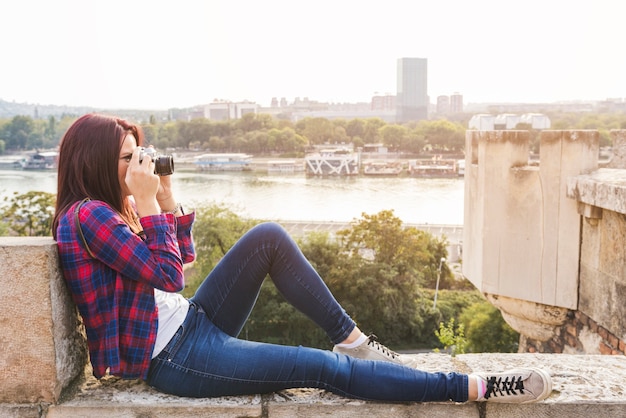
{"points": [[382, 169], [40, 161], [435, 167], [223, 162], [285, 166]]}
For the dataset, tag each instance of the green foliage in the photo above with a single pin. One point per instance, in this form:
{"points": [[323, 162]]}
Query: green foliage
{"points": [[369, 271], [216, 230], [4, 228], [450, 304], [18, 132], [384, 239], [443, 135], [28, 214], [266, 134], [487, 332], [394, 136], [452, 338]]}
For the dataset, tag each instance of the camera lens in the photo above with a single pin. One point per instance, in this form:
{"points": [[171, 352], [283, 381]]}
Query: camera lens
{"points": [[164, 165]]}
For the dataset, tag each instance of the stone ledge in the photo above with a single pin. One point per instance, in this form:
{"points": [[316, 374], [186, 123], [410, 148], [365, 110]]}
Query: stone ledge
{"points": [[583, 386], [604, 188]]}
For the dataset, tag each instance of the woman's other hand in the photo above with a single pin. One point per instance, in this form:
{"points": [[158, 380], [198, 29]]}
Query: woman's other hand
{"points": [[143, 184]]}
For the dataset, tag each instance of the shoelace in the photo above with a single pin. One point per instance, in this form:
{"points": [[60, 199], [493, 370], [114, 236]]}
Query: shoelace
{"points": [[498, 387], [373, 341]]}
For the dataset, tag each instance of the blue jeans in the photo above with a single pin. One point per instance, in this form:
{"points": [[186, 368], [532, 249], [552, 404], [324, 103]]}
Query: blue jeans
{"points": [[206, 359]]}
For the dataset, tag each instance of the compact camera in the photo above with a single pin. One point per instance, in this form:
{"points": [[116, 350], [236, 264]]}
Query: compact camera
{"points": [[163, 164]]}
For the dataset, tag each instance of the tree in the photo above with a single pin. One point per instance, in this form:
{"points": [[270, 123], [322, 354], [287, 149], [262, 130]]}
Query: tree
{"points": [[18, 132], [383, 238], [199, 130], [249, 122], [372, 127], [167, 135], [51, 129], [486, 330], [216, 230], [415, 141], [394, 136], [315, 130], [443, 135], [150, 134], [216, 143], [30, 213], [355, 128]]}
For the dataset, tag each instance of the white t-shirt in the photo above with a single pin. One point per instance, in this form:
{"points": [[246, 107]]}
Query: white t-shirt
{"points": [[173, 308]]}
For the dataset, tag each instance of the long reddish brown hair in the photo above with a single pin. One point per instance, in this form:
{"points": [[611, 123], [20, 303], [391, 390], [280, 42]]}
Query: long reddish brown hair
{"points": [[88, 164]]}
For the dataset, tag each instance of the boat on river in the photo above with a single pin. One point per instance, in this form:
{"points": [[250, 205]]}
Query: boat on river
{"points": [[435, 167], [46, 160], [285, 166], [382, 169], [223, 162]]}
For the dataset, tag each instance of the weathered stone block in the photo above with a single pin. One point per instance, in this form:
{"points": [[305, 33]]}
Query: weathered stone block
{"points": [[42, 343]]}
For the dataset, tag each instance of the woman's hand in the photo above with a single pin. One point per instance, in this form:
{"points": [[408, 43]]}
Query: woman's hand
{"points": [[165, 195], [143, 184]]}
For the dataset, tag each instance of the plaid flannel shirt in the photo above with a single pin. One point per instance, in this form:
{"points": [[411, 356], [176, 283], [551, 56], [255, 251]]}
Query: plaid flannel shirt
{"points": [[114, 291]]}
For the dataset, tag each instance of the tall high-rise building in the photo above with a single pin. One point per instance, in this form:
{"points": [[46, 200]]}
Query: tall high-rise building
{"points": [[412, 94]]}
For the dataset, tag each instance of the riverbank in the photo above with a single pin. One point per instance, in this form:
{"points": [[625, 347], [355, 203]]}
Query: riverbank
{"points": [[373, 165]]}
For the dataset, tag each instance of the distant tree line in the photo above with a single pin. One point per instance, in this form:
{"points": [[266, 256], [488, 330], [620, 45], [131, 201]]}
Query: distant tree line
{"points": [[254, 134], [262, 134]]}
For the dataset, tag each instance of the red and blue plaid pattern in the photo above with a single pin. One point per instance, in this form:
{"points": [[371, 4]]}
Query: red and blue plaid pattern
{"points": [[114, 291]]}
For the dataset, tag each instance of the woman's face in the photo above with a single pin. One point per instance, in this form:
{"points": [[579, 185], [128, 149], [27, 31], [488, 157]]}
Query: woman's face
{"points": [[126, 153]]}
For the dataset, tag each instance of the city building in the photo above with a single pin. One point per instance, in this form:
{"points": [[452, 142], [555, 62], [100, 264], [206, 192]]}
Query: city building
{"points": [[225, 110], [482, 122], [412, 93], [508, 121], [536, 120], [447, 105], [456, 103], [443, 105], [384, 102]]}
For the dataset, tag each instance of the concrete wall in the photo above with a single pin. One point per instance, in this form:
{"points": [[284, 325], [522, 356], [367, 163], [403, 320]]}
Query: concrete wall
{"points": [[546, 244], [42, 342]]}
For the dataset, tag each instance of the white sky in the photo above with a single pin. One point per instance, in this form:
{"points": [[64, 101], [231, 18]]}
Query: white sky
{"points": [[157, 54]]}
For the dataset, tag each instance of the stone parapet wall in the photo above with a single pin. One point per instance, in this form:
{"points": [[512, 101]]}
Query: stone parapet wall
{"points": [[578, 335], [546, 243], [583, 386], [521, 231], [42, 341]]}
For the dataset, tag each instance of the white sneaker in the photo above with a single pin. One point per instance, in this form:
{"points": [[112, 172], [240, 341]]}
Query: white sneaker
{"points": [[373, 350], [517, 386]]}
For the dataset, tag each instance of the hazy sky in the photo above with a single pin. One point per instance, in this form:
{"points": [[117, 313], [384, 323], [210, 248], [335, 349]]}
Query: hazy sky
{"points": [[158, 54]]}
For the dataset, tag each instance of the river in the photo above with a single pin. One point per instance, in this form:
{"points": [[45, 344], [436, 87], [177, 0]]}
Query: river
{"points": [[295, 197]]}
